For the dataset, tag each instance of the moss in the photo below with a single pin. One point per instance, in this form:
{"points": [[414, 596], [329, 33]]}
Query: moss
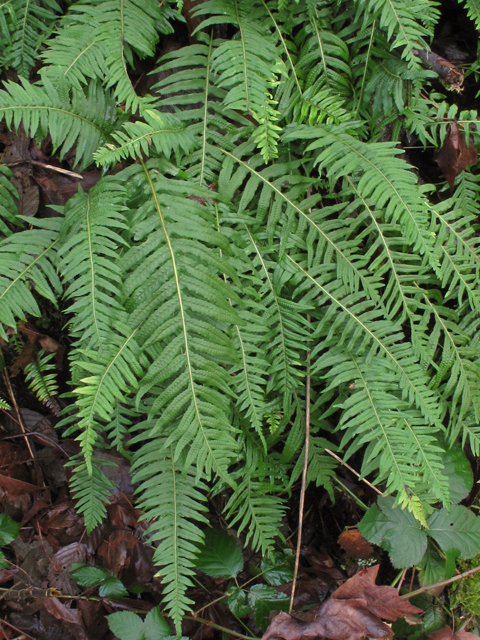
{"points": [[465, 593]]}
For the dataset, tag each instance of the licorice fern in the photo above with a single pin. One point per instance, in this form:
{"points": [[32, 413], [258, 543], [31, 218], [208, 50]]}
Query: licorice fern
{"points": [[253, 220]]}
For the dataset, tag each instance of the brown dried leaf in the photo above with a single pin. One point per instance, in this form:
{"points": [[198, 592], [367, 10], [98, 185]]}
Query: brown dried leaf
{"points": [[455, 156], [71, 618], [59, 570], [384, 602], [114, 551], [353, 612], [355, 545], [447, 634], [15, 488]]}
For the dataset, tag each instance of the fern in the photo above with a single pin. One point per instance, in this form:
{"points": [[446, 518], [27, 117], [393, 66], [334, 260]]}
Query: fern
{"points": [[252, 218], [41, 377]]}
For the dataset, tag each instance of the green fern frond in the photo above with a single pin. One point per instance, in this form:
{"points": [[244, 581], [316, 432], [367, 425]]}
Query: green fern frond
{"points": [[321, 466], [41, 376], [4, 405], [27, 260], [473, 9], [8, 209], [85, 119], [173, 499], [247, 67], [161, 130], [175, 286], [28, 24], [90, 489], [90, 247], [254, 507]]}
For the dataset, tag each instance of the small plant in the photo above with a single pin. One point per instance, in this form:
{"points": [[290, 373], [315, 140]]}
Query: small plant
{"points": [[9, 530]]}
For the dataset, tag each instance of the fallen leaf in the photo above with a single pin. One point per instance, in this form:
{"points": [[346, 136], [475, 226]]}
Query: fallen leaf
{"points": [[71, 618], [384, 602], [355, 545], [114, 551], [353, 612], [447, 634], [455, 156]]}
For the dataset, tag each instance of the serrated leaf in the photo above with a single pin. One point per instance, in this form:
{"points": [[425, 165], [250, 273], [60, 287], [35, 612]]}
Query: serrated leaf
{"points": [[277, 568], [220, 556], [85, 575], [9, 529], [459, 473], [126, 625], [155, 626], [112, 588], [431, 568], [264, 599], [458, 529], [237, 602], [397, 531]]}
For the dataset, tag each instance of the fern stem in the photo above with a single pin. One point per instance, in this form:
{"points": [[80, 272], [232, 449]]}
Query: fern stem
{"points": [[304, 480], [361, 504]]}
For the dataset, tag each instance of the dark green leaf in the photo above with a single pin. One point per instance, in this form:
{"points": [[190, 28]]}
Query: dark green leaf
{"points": [[237, 602], [220, 556], [155, 625], [457, 530], [459, 473], [112, 588], [9, 529], [277, 568], [395, 530], [126, 625], [87, 576], [263, 600]]}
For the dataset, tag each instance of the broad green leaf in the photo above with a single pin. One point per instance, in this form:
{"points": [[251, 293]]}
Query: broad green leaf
{"points": [[87, 576], [220, 556], [432, 567], [277, 568], [9, 529], [264, 599], [458, 530], [459, 473], [397, 531], [126, 625], [237, 602], [155, 625], [112, 588]]}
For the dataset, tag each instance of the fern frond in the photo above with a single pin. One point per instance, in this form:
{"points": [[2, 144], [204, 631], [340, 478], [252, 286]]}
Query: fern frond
{"points": [[8, 209], [384, 177], [28, 25], [161, 130], [247, 67], [100, 38], [254, 507], [457, 245], [473, 10], [90, 249], [85, 119], [41, 377], [175, 287], [361, 324], [90, 489], [173, 499], [321, 466], [27, 260]]}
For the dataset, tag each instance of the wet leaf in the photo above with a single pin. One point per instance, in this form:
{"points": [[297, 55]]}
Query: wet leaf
{"points": [[87, 576], [264, 599], [455, 156], [112, 588], [220, 556], [277, 569]]}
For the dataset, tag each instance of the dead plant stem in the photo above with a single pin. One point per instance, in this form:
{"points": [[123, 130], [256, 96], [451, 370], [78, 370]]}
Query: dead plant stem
{"points": [[304, 480], [19, 415], [442, 583]]}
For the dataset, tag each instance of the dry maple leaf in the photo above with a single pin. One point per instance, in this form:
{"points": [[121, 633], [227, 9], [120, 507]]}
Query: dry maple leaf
{"points": [[455, 156], [384, 602], [354, 611], [447, 634]]}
